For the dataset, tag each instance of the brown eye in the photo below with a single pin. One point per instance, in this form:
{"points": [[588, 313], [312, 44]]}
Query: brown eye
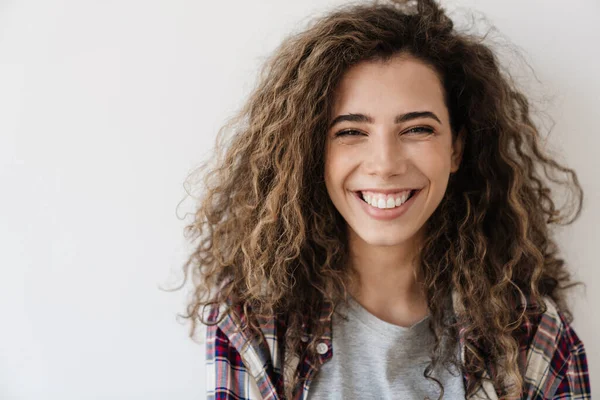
{"points": [[419, 130], [348, 132]]}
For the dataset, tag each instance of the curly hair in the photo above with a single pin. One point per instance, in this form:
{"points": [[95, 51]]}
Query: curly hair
{"points": [[270, 239]]}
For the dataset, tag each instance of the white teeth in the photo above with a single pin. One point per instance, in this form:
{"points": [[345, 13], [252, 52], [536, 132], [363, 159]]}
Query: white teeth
{"points": [[380, 201]]}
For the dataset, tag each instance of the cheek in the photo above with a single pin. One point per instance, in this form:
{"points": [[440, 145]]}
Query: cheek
{"points": [[334, 168], [329, 175], [433, 162], [430, 166]]}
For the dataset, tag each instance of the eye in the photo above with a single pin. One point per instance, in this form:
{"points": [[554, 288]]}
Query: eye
{"points": [[419, 130], [348, 132], [412, 131]]}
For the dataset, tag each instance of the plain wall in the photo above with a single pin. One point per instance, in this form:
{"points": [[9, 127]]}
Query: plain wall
{"points": [[105, 106]]}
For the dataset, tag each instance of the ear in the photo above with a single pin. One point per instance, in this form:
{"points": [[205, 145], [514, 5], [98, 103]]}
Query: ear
{"points": [[457, 149]]}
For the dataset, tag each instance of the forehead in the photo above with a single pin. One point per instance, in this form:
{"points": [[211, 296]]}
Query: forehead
{"points": [[401, 84]]}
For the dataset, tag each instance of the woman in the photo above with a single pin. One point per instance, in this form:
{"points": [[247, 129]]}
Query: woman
{"points": [[379, 224]]}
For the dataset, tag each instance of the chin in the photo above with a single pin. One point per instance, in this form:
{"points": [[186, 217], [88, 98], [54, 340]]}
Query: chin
{"points": [[382, 238]]}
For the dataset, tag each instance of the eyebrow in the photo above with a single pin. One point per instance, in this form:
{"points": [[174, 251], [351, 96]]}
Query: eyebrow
{"points": [[397, 120]]}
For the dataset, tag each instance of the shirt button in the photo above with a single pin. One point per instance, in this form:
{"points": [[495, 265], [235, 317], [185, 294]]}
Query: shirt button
{"points": [[322, 348], [304, 338]]}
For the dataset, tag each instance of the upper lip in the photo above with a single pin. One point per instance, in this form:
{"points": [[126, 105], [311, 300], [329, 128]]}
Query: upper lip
{"points": [[386, 191]]}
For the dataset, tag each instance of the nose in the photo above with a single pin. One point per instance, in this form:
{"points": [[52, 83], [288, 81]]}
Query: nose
{"points": [[385, 156]]}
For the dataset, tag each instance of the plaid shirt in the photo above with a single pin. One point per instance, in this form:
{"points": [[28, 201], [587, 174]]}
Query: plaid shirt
{"points": [[554, 358]]}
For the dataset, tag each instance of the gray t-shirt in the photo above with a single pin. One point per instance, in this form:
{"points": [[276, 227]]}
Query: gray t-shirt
{"points": [[373, 359]]}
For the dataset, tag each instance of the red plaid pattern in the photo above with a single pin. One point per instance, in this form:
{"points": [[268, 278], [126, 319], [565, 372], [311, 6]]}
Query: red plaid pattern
{"points": [[553, 355]]}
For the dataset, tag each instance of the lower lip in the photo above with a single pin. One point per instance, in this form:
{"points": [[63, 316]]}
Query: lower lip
{"points": [[386, 214]]}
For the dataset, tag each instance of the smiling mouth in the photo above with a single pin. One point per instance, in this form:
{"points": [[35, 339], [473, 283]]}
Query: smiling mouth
{"points": [[398, 201]]}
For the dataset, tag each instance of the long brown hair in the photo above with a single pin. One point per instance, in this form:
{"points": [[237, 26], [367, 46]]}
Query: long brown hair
{"points": [[269, 238]]}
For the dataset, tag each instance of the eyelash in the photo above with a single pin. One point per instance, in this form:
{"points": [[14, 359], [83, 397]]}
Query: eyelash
{"points": [[424, 129]]}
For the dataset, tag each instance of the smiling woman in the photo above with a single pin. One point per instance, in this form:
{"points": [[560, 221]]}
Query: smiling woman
{"points": [[392, 157], [378, 226]]}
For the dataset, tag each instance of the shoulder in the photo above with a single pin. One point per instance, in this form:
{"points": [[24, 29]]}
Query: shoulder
{"points": [[226, 374], [239, 366], [555, 358]]}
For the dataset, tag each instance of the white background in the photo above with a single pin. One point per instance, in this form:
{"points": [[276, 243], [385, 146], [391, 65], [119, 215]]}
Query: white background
{"points": [[105, 106]]}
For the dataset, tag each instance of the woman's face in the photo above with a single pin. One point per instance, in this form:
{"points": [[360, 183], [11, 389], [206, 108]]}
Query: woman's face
{"points": [[389, 135]]}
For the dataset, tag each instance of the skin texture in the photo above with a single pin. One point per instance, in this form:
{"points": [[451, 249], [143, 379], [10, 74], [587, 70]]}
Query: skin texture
{"points": [[418, 153]]}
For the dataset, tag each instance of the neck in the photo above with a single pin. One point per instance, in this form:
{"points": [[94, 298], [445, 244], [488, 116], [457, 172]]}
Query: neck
{"points": [[387, 283]]}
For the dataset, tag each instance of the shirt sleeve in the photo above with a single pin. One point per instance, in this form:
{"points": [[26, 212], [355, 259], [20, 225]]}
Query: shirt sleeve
{"points": [[226, 375], [575, 383]]}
